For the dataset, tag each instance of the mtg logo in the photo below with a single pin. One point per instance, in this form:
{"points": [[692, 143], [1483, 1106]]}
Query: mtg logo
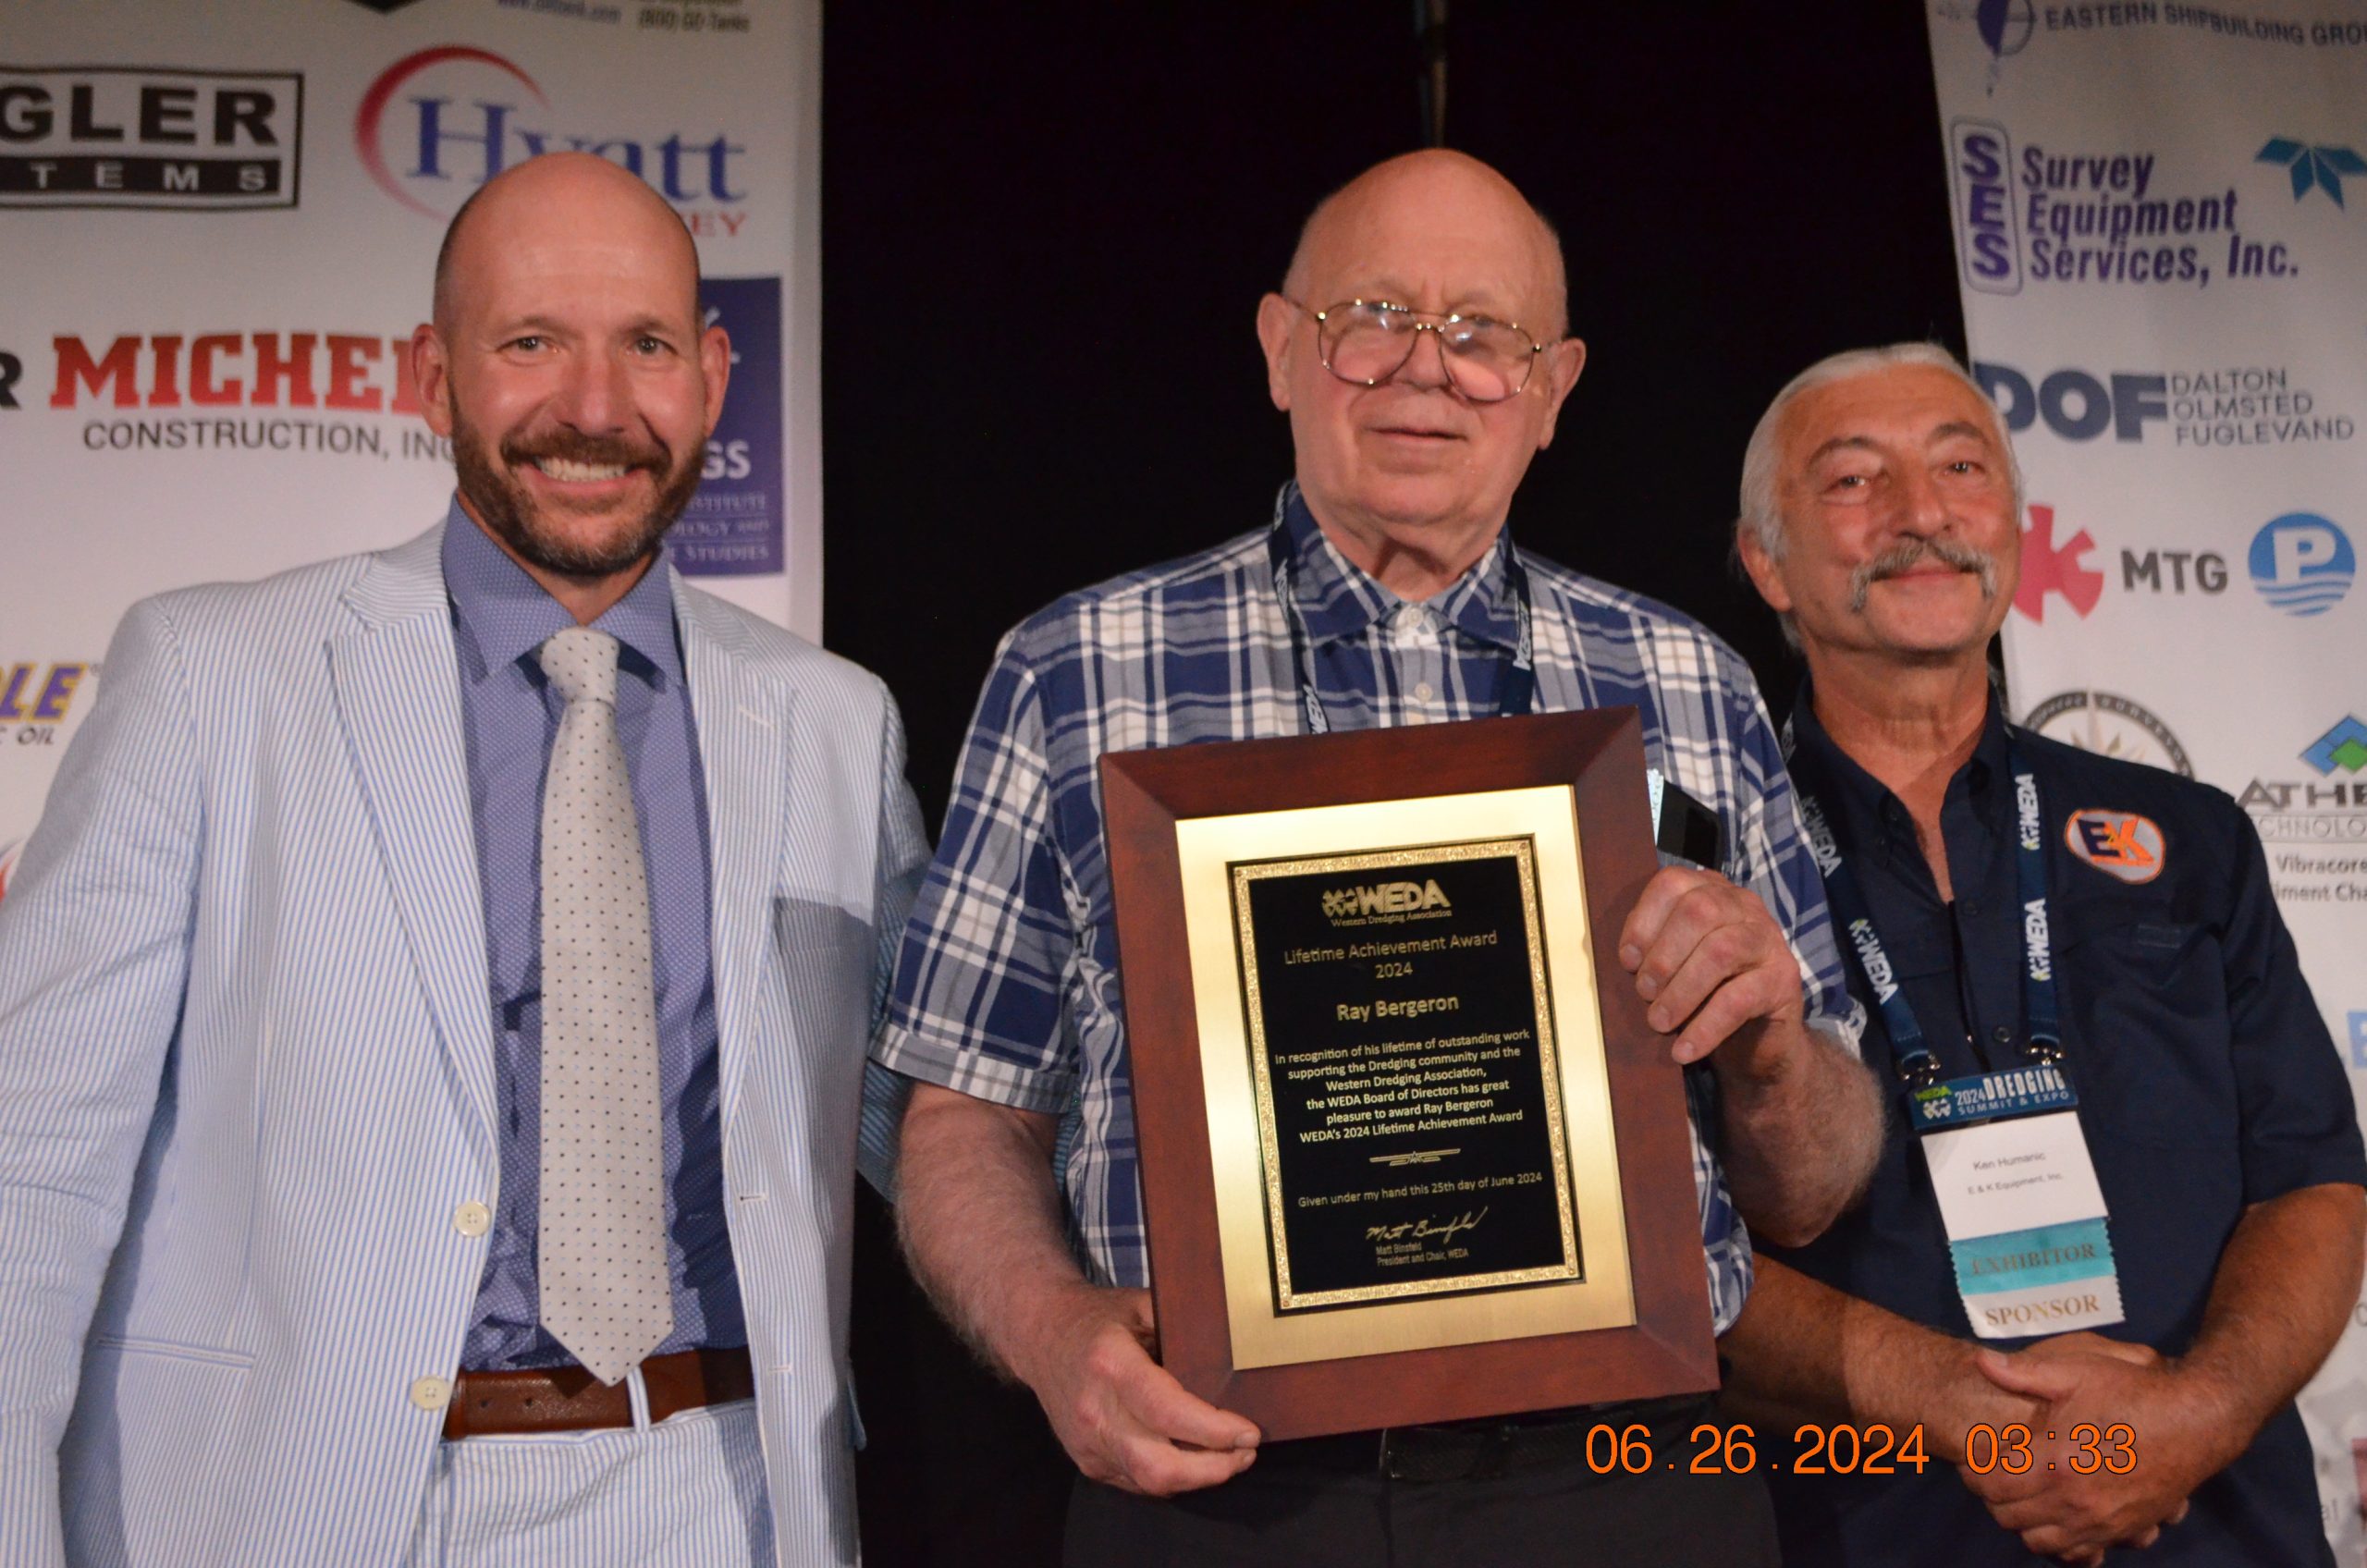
{"points": [[149, 136], [437, 124], [1384, 898]]}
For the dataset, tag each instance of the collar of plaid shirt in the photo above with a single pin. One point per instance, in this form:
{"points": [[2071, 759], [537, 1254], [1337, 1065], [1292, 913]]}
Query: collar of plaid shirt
{"points": [[1337, 601]]}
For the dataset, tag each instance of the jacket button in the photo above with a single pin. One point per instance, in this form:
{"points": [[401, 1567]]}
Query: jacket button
{"points": [[472, 1219], [431, 1393]]}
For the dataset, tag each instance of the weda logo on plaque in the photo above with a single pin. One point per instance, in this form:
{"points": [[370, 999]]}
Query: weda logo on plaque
{"points": [[1406, 1086]]}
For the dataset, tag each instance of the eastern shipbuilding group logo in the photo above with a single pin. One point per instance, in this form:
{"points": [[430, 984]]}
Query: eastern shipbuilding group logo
{"points": [[149, 136], [2005, 26], [439, 123]]}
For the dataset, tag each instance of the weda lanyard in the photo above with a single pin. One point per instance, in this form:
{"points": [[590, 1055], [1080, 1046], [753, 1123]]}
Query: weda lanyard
{"points": [[1917, 1064], [1519, 688]]}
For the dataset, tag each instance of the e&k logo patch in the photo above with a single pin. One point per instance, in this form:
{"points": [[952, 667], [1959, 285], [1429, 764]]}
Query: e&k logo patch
{"points": [[2119, 843]]}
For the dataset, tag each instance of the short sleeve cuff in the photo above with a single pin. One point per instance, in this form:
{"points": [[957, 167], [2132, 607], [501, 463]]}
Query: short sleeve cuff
{"points": [[967, 1068], [2272, 1171]]}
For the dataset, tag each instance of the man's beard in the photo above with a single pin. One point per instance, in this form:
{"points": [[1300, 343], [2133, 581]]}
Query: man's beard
{"points": [[1909, 553], [503, 505]]}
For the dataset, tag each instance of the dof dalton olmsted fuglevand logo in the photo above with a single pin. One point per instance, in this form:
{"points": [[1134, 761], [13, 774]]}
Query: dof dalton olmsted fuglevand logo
{"points": [[1384, 898]]}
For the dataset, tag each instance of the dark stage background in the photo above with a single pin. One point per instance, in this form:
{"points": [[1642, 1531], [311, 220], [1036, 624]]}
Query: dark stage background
{"points": [[1046, 229]]}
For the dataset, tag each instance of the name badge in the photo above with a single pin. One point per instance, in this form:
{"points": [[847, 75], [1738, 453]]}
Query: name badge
{"points": [[2026, 1220]]}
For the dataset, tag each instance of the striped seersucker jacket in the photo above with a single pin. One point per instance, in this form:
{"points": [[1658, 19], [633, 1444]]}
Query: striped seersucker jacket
{"points": [[247, 1067]]}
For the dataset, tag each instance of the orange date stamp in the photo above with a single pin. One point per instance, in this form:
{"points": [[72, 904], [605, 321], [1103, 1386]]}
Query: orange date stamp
{"points": [[1844, 1450]]}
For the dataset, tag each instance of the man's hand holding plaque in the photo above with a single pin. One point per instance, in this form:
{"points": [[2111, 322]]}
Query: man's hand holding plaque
{"points": [[1122, 1417], [1709, 960], [1715, 970]]}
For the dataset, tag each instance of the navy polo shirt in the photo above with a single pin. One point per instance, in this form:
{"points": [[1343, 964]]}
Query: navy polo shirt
{"points": [[2206, 1079]]}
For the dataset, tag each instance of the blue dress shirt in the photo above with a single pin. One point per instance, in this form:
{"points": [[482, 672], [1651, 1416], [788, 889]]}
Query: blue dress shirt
{"points": [[500, 618]]}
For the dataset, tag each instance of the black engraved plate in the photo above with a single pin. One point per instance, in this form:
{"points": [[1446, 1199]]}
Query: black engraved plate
{"points": [[1409, 1109]]}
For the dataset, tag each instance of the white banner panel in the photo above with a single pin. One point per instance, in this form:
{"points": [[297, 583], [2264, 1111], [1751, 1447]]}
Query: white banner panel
{"points": [[2161, 222], [218, 222]]}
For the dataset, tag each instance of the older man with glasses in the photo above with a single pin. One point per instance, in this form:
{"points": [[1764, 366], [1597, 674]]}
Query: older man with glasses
{"points": [[1420, 347]]}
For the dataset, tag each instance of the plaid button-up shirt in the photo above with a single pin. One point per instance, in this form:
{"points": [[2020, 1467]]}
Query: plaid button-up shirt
{"points": [[1008, 986]]}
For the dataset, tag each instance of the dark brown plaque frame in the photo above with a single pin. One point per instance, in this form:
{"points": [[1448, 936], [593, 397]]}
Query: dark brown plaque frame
{"points": [[1669, 1349]]}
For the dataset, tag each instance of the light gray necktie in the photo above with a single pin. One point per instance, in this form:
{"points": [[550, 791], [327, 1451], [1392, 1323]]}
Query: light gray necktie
{"points": [[601, 1264]]}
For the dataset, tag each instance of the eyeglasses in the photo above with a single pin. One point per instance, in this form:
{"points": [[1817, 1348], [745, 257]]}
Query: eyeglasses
{"points": [[1363, 342]]}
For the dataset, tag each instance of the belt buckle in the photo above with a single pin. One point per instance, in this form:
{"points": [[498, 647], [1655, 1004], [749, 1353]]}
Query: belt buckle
{"points": [[1466, 1456]]}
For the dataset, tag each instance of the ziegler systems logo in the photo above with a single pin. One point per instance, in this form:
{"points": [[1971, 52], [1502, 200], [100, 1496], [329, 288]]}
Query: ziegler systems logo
{"points": [[2048, 568], [149, 136], [438, 124], [2301, 563]]}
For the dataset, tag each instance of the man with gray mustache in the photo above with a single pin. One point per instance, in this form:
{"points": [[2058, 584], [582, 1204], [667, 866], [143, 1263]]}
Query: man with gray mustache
{"points": [[2081, 959]]}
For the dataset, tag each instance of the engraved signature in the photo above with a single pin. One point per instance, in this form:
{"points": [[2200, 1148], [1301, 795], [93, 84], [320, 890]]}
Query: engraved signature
{"points": [[1441, 1230]]}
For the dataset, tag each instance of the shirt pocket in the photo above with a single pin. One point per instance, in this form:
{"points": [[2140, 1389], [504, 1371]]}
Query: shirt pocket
{"points": [[2149, 1050]]}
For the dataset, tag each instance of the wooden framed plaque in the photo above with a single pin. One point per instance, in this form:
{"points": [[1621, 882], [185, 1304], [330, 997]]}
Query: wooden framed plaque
{"points": [[1410, 1152]]}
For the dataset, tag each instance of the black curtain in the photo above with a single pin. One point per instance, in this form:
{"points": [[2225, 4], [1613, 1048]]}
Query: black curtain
{"points": [[1045, 232]]}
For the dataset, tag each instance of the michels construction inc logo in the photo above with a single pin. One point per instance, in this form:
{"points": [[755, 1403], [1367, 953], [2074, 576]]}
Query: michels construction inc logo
{"points": [[1385, 902], [149, 136]]}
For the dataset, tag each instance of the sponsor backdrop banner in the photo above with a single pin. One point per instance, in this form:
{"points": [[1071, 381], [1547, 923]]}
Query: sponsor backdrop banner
{"points": [[2161, 222], [218, 220]]}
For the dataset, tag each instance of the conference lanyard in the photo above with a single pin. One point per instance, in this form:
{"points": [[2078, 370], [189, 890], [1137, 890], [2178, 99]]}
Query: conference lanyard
{"points": [[1518, 692], [1917, 1065]]}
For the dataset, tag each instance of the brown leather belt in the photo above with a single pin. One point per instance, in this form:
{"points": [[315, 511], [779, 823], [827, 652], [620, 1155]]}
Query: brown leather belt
{"points": [[568, 1399]]}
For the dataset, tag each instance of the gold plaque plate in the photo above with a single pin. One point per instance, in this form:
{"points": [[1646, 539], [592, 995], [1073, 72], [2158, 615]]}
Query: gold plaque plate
{"points": [[1269, 1325]]}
